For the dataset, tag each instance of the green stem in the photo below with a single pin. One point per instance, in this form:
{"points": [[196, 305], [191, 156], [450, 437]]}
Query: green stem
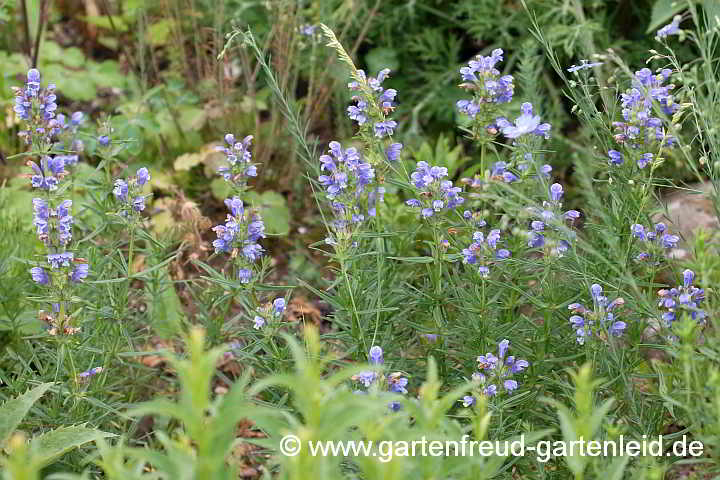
{"points": [[356, 329], [131, 247]]}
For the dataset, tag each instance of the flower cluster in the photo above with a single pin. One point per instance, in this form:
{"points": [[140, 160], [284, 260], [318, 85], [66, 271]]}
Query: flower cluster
{"points": [[268, 313], [685, 297], [346, 184], [37, 107], [373, 105], [483, 251], [240, 167], [67, 135], [393, 382], [525, 124], [549, 231], [48, 172], [239, 235], [494, 371], [595, 322], [503, 171], [436, 194], [53, 225], [642, 133], [489, 86], [52, 214], [129, 193], [656, 241]]}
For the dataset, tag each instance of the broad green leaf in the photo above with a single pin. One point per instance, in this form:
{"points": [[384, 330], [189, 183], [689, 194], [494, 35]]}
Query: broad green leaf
{"points": [[72, 57], [192, 118], [104, 21], [662, 13], [273, 209], [220, 188], [55, 443], [186, 161], [14, 410], [159, 32], [160, 179], [381, 57]]}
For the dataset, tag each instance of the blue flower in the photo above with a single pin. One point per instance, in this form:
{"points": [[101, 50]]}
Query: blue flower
{"points": [[308, 30], [468, 401], [58, 260], [373, 102], [437, 194], [592, 323], [584, 64], [259, 322], [644, 159], [244, 275], [673, 28], [279, 306], [239, 158], [384, 129], [345, 186], [496, 370], [685, 297], [550, 231], [40, 275], [484, 250], [80, 272], [235, 205], [47, 172], [143, 176], [393, 151], [90, 373], [489, 85], [375, 355], [138, 203], [640, 128], [527, 123], [657, 241], [616, 158], [120, 190], [397, 383]]}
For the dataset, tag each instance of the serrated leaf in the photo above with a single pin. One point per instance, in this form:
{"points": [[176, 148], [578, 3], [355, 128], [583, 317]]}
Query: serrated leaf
{"points": [[160, 180], [192, 118], [52, 445], [186, 161], [14, 410]]}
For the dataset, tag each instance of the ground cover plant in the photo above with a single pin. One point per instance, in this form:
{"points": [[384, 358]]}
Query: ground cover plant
{"points": [[250, 228]]}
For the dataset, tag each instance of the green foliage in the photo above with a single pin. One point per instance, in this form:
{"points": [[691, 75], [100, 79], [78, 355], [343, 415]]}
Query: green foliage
{"points": [[166, 83], [26, 459], [14, 410]]}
